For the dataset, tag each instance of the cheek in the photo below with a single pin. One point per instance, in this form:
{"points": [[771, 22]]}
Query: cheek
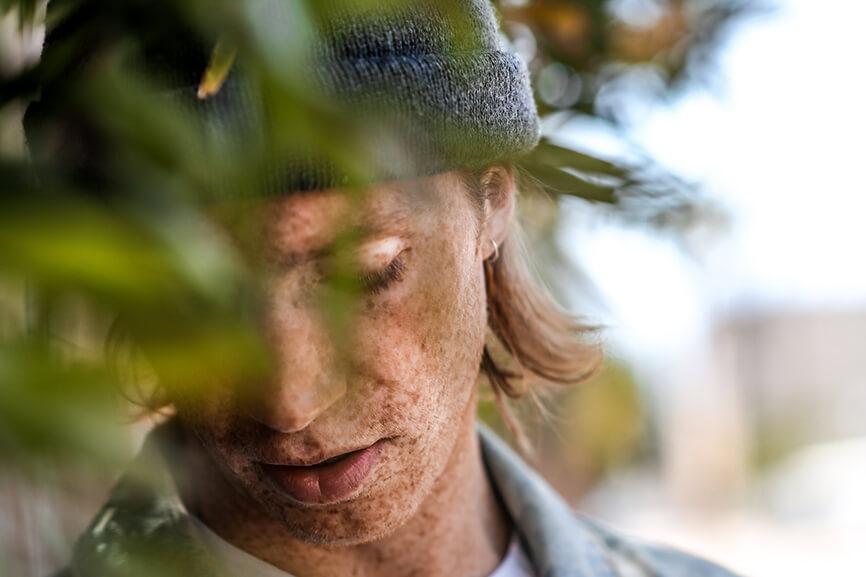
{"points": [[213, 421], [426, 341]]}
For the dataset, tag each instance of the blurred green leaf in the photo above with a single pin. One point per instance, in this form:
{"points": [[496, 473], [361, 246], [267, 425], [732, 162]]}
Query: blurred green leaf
{"points": [[553, 155], [52, 409], [218, 69], [26, 9], [562, 182]]}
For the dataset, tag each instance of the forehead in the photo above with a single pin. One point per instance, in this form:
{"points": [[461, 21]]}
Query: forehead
{"points": [[309, 221]]}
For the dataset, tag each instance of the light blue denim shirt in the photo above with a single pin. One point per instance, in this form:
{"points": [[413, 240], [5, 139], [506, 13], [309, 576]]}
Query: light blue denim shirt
{"points": [[563, 544], [144, 530]]}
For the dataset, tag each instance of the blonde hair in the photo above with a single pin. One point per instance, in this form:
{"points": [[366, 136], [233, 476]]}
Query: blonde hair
{"points": [[544, 344]]}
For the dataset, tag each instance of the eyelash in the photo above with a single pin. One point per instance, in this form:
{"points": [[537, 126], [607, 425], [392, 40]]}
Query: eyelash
{"points": [[380, 280]]}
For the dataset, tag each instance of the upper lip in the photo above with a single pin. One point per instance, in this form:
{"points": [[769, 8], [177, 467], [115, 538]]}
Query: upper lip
{"points": [[312, 462]]}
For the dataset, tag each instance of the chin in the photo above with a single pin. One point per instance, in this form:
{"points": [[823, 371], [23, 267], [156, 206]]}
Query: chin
{"points": [[328, 536], [390, 500], [354, 522]]}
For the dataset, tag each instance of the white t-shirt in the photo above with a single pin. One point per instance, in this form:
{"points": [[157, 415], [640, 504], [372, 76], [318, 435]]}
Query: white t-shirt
{"points": [[516, 562], [238, 562]]}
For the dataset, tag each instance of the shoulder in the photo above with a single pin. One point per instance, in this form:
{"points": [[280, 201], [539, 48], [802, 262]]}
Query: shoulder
{"points": [[632, 557], [143, 529], [562, 543]]}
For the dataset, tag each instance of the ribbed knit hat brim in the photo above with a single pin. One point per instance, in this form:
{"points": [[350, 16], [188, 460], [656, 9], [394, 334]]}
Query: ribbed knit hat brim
{"points": [[421, 116], [429, 84]]}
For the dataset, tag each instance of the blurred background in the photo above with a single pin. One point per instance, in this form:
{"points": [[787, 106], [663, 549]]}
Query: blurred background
{"points": [[701, 202]]}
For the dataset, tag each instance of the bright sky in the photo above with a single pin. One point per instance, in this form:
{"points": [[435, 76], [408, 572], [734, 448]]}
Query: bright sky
{"points": [[780, 145]]}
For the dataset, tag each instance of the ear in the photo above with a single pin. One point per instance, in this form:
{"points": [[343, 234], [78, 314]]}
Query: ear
{"points": [[499, 190]]}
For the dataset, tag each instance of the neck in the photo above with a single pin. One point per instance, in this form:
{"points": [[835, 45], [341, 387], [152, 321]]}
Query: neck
{"points": [[460, 529]]}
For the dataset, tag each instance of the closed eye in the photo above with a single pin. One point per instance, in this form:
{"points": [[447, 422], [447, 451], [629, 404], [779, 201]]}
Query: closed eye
{"points": [[380, 280]]}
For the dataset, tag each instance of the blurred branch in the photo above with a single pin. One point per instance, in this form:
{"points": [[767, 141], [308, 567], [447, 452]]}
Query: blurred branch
{"points": [[582, 53]]}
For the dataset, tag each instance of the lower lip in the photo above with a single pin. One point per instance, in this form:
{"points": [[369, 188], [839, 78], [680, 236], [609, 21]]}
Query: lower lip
{"points": [[322, 484]]}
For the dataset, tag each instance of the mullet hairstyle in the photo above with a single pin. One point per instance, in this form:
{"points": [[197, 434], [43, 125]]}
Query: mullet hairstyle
{"points": [[544, 344]]}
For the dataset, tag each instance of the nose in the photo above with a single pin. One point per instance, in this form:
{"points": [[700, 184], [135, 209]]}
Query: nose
{"points": [[306, 379]]}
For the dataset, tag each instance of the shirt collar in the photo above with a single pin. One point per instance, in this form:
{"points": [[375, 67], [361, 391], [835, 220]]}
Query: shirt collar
{"points": [[560, 544]]}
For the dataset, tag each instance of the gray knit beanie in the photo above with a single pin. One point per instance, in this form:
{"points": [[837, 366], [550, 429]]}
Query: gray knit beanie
{"points": [[430, 81]]}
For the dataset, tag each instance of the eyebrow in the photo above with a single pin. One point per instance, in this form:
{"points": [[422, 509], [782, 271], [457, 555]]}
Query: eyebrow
{"points": [[375, 223]]}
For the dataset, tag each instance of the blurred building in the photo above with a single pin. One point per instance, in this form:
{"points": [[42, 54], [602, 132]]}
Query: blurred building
{"points": [[766, 385], [761, 444], [801, 374]]}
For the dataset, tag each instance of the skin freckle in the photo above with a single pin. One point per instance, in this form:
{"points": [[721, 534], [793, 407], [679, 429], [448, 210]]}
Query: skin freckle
{"points": [[408, 379]]}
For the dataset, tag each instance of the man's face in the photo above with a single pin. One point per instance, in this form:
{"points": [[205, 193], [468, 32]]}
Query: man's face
{"points": [[393, 386]]}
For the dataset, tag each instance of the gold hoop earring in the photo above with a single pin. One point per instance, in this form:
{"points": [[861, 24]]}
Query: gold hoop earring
{"points": [[495, 256]]}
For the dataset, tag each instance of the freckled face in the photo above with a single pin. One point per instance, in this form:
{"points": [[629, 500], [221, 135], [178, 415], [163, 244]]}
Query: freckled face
{"points": [[402, 374]]}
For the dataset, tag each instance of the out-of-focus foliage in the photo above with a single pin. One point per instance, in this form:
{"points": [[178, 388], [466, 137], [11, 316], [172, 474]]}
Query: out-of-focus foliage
{"points": [[600, 59], [141, 248], [26, 10], [605, 421], [580, 52], [140, 256], [580, 434]]}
